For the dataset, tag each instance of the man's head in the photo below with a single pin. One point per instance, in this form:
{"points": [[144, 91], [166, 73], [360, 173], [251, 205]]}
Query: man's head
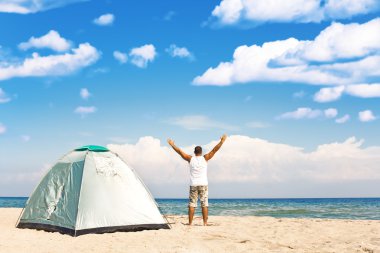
{"points": [[198, 150]]}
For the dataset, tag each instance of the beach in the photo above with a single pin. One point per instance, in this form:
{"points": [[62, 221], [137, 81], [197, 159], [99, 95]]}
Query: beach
{"points": [[226, 234]]}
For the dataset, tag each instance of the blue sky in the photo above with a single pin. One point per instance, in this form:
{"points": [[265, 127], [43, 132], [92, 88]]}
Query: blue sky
{"points": [[161, 97]]}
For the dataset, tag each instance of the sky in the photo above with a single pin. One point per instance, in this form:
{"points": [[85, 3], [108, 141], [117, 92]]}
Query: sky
{"points": [[295, 85]]}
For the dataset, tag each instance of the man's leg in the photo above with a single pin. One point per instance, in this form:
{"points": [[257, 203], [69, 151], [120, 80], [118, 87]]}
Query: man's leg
{"points": [[191, 214], [205, 215], [193, 199], [203, 195]]}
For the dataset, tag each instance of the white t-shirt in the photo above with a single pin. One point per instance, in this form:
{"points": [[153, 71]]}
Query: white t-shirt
{"points": [[198, 171]]}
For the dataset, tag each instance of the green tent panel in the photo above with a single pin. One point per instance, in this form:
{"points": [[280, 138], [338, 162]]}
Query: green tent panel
{"points": [[93, 148]]}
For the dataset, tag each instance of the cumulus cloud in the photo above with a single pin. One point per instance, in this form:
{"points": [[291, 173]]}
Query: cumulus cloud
{"points": [[120, 57], [141, 56], [30, 6], [329, 94], [331, 44], [4, 98], [3, 129], [364, 90], [84, 93], [331, 113], [52, 40], [180, 52], [200, 122], [366, 116], [104, 20], [301, 113], [343, 119], [308, 113], [84, 110], [356, 90], [233, 12], [51, 65], [292, 60], [270, 162]]}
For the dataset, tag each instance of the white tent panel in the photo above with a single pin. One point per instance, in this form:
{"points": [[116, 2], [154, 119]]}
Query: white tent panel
{"points": [[112, 195]]}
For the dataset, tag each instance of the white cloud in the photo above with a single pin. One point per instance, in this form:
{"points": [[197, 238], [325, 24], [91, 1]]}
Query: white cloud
{"points": [[338, 9], [366, 116], [200, 122], [343, 119], [104, 20], [364, 90], [3, 129], [51, 65], [329, 94], [50, 40], [141, 56], [308, 113], [84, 110], [293, 60], [181, 52], [232, 12], [4, 98], [84, 93], [356, 90], [270, 162], [32, 6], [301, 113], [120, 57], [331, 113], [25, 138], [331, 43]]}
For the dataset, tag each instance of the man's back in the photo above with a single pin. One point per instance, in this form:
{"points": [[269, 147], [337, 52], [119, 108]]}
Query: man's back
{"points": [[198, 171]]}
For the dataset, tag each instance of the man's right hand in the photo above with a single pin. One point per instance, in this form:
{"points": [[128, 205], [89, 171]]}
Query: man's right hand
{"points": [[171, 142]]}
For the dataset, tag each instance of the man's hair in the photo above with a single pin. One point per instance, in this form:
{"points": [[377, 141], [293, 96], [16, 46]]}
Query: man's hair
{"points": [[198, 150]]}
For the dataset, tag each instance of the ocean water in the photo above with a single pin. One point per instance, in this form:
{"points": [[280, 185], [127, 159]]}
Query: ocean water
{"points": [[328, 208]]}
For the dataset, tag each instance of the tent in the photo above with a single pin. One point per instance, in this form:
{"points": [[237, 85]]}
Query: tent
{"points": [[91, 190]]}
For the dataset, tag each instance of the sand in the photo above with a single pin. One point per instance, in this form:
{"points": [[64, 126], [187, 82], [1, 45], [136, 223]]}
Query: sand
{"points": [[227, 234]]}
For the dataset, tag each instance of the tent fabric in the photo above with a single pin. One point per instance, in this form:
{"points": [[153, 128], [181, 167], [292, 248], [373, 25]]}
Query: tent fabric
{"points": [[93, 148], [91, 192]]}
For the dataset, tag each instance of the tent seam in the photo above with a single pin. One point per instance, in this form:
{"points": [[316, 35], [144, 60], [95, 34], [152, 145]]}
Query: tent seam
{"points": [[80, 190]]}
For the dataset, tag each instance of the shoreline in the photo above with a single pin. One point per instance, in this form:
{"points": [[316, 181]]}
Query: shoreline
{"points": [[274, 198], [226, 234]]}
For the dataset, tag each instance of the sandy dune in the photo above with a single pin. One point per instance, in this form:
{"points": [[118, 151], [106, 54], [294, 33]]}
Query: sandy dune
{"points": [[227, 234]]}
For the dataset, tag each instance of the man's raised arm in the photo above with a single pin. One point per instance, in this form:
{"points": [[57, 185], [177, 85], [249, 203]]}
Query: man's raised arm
{"points": [[179, 151], [216, 148]]}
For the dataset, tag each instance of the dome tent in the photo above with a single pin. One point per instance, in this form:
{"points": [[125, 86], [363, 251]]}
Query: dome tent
{"points": [[91, 190]]}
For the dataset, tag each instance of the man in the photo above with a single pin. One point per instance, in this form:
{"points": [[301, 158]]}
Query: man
{"points": [[198, 177]]}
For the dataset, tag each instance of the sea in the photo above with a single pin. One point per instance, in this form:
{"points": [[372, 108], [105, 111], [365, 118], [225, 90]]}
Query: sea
{"points": [[326, 208]]}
